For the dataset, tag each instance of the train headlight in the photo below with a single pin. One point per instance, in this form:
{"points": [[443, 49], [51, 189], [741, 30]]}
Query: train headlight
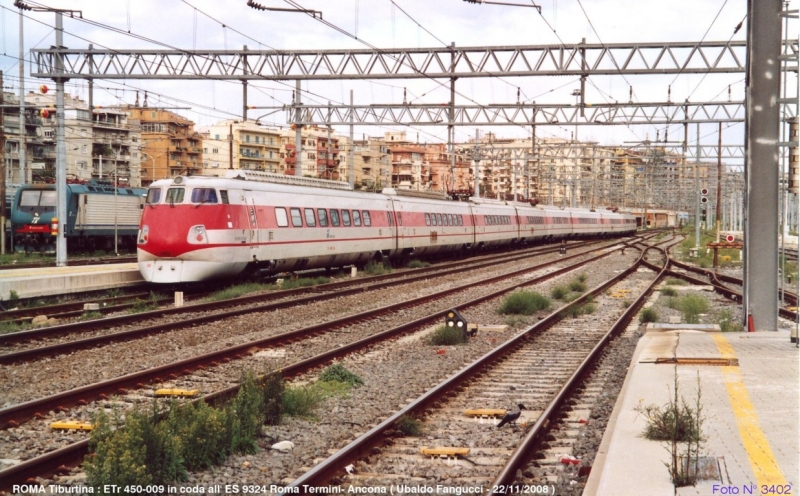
{"points": [[144, 233], [197, 235]]}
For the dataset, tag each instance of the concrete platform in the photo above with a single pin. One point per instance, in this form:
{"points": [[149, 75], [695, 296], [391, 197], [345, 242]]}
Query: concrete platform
{"points": [[751, 415], [30, 283]]}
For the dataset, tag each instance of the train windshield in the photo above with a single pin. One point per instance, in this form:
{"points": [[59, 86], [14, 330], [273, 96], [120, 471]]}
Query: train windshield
{"points": [[204, 195], [29, 198], [153, 195], [175, 195], [48, 199]]}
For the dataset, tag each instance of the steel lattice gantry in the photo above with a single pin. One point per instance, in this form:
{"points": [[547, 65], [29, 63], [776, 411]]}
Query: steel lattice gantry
{"points": [[518, 114], [444, 62]]}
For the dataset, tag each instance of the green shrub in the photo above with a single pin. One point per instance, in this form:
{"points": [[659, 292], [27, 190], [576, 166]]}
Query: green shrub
{"points": [[692, 306], [668, 292], [648, 315], [304, 282], [417, 264], [724, 318], [447, 336], [559, 292], [273, 386], [237, 290], [582, 277], [91, 315], [524, 303], [203, 433], [144, 452], [301, 401], [377, 268], [244, 415], [675, 282], [339, 372], [672, 303], [626, 303], [409, 426], [577, 286], [13, 295]]}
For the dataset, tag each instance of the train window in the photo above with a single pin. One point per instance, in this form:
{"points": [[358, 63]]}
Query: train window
{"points": [[334, 217], [223, 196], [365, 216], [345, 218], [29, 198], [153, 195], [356, 218], [297, 219], [427, 219], [310, 220], [439, 219], [323, 217], [204, 195], [389, 218], [400, 219], [433, 220], [460, 220], [280, 216], [48, 199], [175, 195]]}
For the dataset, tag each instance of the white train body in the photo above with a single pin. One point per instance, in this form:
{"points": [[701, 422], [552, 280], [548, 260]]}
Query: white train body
{"points": [[199, 228]]}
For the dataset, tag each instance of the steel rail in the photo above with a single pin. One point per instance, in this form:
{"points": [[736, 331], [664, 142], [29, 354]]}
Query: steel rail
{"points": [[523, 453], [334, 465], [75, 327], [58, 460], [15, 414]]}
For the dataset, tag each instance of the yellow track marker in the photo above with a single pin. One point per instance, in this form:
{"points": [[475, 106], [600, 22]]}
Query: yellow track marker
{"points": [[72, 425], [485, 412], [177, 392], [755, 442], [445, 451]]}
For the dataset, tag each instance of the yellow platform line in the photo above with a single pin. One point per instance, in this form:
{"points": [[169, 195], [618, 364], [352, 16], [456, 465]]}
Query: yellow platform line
{"points": [[755, 442]]}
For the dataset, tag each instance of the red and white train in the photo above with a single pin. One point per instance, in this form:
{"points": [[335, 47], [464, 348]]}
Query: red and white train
{"points": [[198, 228]]}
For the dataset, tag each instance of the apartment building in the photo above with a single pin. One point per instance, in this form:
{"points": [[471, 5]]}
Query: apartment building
{"points": [[321, 155], [232, 144], [171, 146]]}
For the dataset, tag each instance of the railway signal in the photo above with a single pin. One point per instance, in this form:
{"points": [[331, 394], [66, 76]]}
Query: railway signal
{"points": [[704, 195], [453, 319]]}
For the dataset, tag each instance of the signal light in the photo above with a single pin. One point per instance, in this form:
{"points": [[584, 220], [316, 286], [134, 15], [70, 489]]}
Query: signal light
{"points": [[704, 191], [456, 320], [703, 197], [54, 226], [45, 113], [44, 89], [730, 238]]}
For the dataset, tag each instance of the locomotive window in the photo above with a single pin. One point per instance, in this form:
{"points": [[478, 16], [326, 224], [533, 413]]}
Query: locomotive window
{"points": [[365, 216], [334, 217], [439, 219], [175, 195], [223, 196], [297, 220], [345, 217], [29, 198], [204, 195], [153, 195], [389, 218], [427, 219], [310, 220], [280, 216], [323, 217], [356, 218], [48, 199]]}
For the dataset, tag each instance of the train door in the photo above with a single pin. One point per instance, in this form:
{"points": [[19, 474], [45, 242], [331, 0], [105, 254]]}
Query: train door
{"points": [[252, 219]]}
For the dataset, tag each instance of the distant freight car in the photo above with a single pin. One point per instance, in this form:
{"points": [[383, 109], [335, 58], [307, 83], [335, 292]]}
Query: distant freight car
{"points": [[93, 212]]}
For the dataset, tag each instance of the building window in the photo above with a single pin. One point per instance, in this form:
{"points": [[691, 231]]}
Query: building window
{"points": [[84, 149], [216, 136], [247, 138], [215, 150]]}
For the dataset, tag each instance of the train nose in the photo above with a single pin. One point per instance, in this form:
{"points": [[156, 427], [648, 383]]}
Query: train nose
{"points": [[162, 271]]}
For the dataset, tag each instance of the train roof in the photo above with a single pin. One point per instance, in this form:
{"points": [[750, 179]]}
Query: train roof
{"points": [[92, 186]]}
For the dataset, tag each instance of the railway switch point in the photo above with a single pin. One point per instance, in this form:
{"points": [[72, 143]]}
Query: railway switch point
{"points": [[183, 393], [72, 425]]}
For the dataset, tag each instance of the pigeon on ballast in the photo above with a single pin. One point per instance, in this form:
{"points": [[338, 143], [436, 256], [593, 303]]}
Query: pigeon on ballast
{"points": [[512, 415]]}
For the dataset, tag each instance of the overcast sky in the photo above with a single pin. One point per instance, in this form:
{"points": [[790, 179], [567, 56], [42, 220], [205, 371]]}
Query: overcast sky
{"points": [[184, 24]]}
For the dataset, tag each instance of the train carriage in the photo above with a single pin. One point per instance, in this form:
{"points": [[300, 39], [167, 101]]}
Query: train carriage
{"points": [[198, 228]]}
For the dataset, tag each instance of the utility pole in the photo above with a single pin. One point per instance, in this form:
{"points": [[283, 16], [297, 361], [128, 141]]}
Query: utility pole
{"points": [[61, 151], [230, 146], [298, 136], [23, 175], [351, 166], [451, 130], [477, 159], [719, 181], [697, 192], [3, 174]]}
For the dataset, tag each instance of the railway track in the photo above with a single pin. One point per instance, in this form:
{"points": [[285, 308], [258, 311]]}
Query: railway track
{"points": [[183, 373], [539, 368]]}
